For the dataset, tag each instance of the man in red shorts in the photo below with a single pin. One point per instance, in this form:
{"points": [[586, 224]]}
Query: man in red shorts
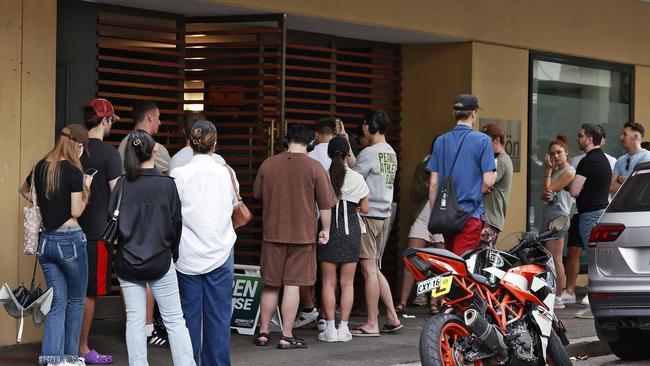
{"points": [[105, 162], [292, 186], [472, 176]]}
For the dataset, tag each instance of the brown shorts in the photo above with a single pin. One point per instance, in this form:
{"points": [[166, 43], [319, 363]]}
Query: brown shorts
{"points": [[373, 240], [288, 264]]}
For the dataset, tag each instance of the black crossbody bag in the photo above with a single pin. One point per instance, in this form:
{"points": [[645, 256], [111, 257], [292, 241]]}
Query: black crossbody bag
{"points": [[111, 231], [447, 216]]}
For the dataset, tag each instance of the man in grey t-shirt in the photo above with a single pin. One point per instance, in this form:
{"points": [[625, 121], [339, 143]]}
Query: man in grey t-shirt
{"points": [[496, 199], [378, 165]]}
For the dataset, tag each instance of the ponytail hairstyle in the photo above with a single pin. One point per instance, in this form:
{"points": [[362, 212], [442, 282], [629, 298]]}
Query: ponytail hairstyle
{"points": [[203, 136], [338, 149], [139, 148], [561, 141]]}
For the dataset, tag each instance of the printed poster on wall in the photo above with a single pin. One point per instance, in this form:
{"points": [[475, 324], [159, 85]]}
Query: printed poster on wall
{"points": [[512, 138]]}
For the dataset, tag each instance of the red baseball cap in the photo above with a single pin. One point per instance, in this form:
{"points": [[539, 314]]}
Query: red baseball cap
{"points": [[103, 108]]}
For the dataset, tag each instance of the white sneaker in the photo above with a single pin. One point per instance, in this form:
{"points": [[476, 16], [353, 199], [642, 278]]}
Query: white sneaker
{"points": [[320, 324], [585, 314], [559, 303], [344, 334], [585, 300], [328, 335], [567, 298], [303, 318]]}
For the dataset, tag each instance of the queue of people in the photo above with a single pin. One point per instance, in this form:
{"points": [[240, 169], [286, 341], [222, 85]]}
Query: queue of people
{"points": [[176, 247]]}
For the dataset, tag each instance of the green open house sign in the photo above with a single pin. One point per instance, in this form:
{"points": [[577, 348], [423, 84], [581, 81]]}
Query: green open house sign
{"points": [[246, 293]]}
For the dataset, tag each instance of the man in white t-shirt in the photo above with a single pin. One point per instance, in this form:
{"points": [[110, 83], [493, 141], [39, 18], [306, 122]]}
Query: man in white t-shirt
{"points": [[184, 155]]}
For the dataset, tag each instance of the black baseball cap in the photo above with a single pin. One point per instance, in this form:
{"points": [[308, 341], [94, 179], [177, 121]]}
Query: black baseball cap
{"points": [[466, 102]]}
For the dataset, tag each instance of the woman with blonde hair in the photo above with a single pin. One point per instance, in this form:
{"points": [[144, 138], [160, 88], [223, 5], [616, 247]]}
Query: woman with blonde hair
{"points": [[62, 193], [559, 175]]}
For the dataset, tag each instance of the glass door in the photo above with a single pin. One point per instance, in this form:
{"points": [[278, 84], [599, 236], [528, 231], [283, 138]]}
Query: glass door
{"points": [[565, 93]]}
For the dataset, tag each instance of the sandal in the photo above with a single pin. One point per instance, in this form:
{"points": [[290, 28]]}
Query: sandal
{"points": [[95, 358], [435, 309], [400, 308], [293, 343], [260, 342], [391, 328]]}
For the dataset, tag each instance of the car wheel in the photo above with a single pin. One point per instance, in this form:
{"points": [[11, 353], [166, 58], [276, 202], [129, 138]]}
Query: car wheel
{"points": [[631, 346]]}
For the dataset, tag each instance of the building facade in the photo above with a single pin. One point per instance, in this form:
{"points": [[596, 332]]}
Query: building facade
{"points": [[546, 67]]}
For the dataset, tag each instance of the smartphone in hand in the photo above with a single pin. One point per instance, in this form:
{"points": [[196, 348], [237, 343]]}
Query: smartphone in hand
{"points": [[339, 126], [91, 172]]}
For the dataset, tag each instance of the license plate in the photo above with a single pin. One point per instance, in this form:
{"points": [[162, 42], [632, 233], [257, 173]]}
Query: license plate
{"points": [[438, 285]]}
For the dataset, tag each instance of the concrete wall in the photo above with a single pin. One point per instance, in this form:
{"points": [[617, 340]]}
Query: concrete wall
{"points": [[432, 76], [27, 79], [602, 29], [642, 98], [500, 82]]}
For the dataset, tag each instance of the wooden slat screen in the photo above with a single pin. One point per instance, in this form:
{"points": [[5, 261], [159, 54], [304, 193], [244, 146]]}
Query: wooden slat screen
{"points": [[141, 57], [235, 68], [243, 75]]}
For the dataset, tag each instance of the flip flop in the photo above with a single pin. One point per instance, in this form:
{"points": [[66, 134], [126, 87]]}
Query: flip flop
{"points": [[360, 332], [391, 329], [95, 358]]}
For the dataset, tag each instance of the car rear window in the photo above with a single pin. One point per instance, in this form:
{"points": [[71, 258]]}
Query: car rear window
{"points": [[634, 196]]}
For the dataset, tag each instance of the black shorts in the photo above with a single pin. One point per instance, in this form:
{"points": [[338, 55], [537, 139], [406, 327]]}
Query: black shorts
{"points": [[574, 233], [99, 269]]}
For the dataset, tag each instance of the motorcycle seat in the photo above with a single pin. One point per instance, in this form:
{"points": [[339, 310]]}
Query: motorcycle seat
{"points": [[442, 253]]}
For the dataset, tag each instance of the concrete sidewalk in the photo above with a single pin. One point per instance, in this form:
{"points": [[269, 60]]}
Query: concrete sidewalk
{"points": [[389, 349]]}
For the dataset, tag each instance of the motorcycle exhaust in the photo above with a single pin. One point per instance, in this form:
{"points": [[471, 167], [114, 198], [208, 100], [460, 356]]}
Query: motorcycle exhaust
{"points": [[487, 334]]}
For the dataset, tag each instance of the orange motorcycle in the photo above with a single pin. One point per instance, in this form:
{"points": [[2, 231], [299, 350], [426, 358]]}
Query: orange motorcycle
{"points": [[498, 305]]}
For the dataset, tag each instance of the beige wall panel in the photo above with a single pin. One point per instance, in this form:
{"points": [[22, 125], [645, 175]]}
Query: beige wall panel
{"points": [[432, 76], [500, 81], [604, 29], [10, 39], [37, 104], [642, 98]]}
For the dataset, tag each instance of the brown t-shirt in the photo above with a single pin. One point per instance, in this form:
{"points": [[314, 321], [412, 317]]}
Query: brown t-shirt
{"points": [[292, 186]]}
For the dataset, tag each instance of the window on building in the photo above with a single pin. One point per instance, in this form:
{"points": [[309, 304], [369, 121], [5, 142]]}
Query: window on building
{"points": [[565, 93]]}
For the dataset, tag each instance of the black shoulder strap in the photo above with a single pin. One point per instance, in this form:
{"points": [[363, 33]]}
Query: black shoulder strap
{"points": [[457, 153], [116, 212]]}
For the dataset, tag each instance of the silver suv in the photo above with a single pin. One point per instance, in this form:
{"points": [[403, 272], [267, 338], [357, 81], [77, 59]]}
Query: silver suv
{"points": [[619, 269]]}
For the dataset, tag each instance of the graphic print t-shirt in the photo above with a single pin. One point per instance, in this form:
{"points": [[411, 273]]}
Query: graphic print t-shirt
{"points": [[378, 165]]}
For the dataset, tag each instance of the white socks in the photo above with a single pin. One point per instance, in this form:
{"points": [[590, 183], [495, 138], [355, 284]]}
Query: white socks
{"points": [[148, 329], [330, 325], [343, 325]]}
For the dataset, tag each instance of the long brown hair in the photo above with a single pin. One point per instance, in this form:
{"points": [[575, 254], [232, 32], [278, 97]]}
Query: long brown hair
{"points": [[65, 149], [337, 149]]}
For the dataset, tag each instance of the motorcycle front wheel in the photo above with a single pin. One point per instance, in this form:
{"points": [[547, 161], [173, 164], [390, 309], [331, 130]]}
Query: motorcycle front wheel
{"points": [[555, 353], [437, 339]]}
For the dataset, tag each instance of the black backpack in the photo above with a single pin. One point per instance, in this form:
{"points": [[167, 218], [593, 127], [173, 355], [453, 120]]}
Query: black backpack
{"points": [[447, 216]]}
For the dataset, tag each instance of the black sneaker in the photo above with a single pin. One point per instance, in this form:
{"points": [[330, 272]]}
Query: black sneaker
{"points": [[157, 339]]}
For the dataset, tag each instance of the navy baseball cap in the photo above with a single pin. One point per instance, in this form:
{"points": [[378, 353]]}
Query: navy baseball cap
{"points": [[466, 102]]}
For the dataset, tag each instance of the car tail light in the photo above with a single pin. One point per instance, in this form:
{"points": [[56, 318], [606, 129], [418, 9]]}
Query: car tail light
{"points": [[605, 233]]}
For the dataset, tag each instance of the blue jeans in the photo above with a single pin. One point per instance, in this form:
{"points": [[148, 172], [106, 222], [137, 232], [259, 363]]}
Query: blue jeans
{"points": [[587, 221], [64, 260], [207, 302], [165, 291]]}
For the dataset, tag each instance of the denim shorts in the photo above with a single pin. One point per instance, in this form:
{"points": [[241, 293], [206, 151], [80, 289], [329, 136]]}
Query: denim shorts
{"points": [[587, 221]]}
